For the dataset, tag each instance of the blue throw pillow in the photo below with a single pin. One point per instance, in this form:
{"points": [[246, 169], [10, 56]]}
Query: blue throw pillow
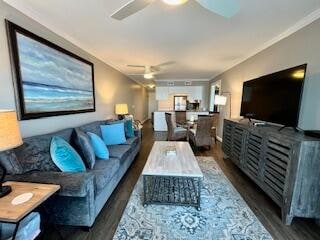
{"points": [[128, 127], [100, 149], [113, 134], [65, 157]]}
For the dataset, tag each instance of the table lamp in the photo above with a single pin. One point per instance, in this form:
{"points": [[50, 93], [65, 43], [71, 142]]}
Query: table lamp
{"points": [[10, 137], [121, 110]]}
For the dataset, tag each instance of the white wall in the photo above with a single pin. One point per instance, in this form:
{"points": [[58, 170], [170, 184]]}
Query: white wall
{"points": [[299, 48], [110, 85]]}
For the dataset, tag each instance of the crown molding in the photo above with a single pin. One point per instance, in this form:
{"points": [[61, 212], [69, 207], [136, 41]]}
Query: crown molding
{"points": [[315, 15], [29, 12]]}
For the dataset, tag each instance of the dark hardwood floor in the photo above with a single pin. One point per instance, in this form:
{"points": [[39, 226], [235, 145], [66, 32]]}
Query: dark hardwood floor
{"points": [[264, 208]]}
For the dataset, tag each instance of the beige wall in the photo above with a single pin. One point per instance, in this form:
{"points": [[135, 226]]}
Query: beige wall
{"points": [[110, 85], [152, 106], [299, 48]]}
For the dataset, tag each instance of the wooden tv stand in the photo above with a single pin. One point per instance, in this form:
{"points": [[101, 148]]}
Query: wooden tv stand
{"points": [[285, 165]]}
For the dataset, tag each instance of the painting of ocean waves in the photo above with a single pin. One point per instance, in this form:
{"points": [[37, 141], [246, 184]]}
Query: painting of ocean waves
{"points": [[51, 80], [46, 98]]}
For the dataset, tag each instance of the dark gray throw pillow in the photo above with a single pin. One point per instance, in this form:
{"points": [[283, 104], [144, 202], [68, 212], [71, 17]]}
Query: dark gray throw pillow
{"points": [[9, 161], [81, 143]]}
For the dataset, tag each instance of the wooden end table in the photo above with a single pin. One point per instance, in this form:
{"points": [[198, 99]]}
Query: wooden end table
{"points": [[14, 214]]}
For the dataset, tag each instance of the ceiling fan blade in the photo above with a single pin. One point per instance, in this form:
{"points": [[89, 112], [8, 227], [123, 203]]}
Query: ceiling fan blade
{"points": [[225, 8], [130, 8], [165, 64], [136, 66]]}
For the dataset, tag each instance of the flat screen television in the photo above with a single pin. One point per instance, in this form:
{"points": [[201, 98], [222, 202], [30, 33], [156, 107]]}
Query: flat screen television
{"points": [[275, 98]]}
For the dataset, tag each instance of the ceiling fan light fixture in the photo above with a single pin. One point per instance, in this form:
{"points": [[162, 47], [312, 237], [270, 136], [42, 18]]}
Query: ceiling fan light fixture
{"points": [[148, 75], [175, 2]]}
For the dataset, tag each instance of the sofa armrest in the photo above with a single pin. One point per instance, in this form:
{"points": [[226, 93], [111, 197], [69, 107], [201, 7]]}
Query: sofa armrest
{"points": [[72, 184]]}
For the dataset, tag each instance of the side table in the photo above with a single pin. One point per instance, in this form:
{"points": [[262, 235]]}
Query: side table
{"points": [[14, 214]]}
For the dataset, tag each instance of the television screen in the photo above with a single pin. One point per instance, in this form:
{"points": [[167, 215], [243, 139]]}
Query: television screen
{"points": [[275, 98]]}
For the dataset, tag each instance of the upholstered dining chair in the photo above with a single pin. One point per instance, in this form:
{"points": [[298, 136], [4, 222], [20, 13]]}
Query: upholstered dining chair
{"points": [[181, 117], [174, 133], [201, 136], [215, 119]]}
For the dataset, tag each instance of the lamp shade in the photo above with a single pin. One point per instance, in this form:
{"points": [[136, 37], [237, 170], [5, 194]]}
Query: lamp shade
{"points": [[10, 136], [220, 100], [122, 109]]}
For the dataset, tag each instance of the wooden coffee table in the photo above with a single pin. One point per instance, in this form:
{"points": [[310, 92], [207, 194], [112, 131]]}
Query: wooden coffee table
{"points": [[10, 213], [173, 180]]}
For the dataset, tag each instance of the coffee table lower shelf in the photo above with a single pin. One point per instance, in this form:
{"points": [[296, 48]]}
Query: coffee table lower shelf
{"points": [[169, 190]]}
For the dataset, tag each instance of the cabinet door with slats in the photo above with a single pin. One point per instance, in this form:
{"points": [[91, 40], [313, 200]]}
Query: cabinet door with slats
{"points": [[237, 149], [227, 137], [254, 148], [276, 162]]}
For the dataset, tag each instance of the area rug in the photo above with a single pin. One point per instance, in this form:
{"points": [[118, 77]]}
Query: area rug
{"points": [[224, 214]]}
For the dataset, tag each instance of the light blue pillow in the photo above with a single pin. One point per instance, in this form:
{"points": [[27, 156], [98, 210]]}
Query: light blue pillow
{"points": [[113, 134], [100, 149], [65, 157]]}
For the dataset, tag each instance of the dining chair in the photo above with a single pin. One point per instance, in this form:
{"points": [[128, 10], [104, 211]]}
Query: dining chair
{"points": [[181, 117], [215, 119], [174, 133], [201, 136]]}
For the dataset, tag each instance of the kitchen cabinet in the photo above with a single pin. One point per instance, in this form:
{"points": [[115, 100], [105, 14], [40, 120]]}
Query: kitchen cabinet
{"points": [[193, 92]]}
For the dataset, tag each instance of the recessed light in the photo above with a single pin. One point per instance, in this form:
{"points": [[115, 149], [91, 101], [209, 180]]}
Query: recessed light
{"points": [[174, 2]]}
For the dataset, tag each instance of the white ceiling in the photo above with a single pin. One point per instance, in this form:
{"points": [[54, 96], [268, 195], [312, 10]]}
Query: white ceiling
{"points": [[201, 43]]}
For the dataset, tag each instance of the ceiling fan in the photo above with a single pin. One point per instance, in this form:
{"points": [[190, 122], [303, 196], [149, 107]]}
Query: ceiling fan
{"points": [[225, 8], [149, 70]]}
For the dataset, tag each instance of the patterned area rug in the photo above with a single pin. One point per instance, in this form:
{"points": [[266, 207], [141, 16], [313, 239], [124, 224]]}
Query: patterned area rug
{"points": [[224, 214]]}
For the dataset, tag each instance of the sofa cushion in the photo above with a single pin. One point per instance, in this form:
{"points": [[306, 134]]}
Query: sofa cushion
{"points": [[120, 151], [82, 144], [65, 157], [103, 171], [34, 154], [93, 127], [71, 184], [132, 142]]}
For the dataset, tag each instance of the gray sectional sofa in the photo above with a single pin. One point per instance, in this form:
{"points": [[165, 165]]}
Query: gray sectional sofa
{"points": [[82, 195]]}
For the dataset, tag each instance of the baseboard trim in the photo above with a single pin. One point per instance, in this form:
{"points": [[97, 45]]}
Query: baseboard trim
{"points": [[143, 121]]}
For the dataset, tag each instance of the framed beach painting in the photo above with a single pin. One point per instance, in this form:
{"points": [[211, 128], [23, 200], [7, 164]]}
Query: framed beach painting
{"points": [[49, 80]]}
